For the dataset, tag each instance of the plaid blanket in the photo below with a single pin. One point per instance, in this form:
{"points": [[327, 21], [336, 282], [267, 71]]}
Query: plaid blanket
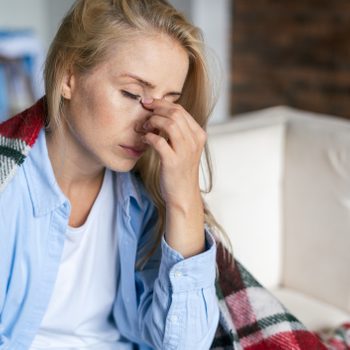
{"points": [[251, 318], [337, 339]]}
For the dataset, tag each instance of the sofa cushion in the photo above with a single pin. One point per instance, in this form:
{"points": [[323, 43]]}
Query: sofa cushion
{"points": [[316, 204], [246, 197]]}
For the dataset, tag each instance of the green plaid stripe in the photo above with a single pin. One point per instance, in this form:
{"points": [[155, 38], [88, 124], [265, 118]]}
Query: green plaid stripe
{"points": [[247, 278], [223, 340], [264, 323], [12, 153]]}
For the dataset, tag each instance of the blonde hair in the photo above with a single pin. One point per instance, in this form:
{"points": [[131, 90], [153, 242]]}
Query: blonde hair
{"points": [[84, 39]]}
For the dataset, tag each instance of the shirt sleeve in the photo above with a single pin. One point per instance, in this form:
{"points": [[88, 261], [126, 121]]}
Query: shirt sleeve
{"points": [[181, 311], [181, 274]]}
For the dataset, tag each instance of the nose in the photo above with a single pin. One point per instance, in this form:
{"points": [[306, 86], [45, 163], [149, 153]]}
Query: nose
{"points": [[144, 115], [143, 106]]}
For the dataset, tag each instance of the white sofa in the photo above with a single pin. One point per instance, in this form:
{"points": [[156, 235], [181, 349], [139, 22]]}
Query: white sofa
{"points": [[282, 193]]}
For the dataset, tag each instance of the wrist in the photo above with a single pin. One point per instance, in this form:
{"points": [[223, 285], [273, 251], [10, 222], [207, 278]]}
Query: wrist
{"points": [[185, 225], [186, 203]]}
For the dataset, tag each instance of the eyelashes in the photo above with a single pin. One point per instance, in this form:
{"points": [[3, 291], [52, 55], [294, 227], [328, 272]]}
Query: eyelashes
{"points": [[138, 97], [130, 95]]}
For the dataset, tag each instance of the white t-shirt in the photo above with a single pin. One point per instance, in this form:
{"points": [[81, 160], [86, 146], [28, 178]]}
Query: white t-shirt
{"points": [[78, 315]]}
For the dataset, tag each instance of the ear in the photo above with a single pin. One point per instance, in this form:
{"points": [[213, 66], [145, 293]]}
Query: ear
{"points": [[68, 84]]}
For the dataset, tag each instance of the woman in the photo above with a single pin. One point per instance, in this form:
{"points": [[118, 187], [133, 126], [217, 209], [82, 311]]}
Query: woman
{"points": [[104, 239], [103, 243]]}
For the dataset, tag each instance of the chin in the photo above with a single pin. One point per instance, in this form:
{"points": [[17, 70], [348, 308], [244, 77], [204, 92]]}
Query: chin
{"points": [[120, 166]]}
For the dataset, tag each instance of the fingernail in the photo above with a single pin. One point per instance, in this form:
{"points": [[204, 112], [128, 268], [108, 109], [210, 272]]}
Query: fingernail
{"points": [[147, 101], [145, 125], [144, 140]]}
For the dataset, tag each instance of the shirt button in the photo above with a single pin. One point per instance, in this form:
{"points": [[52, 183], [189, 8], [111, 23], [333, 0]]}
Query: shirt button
{"points": [[178, 274]]}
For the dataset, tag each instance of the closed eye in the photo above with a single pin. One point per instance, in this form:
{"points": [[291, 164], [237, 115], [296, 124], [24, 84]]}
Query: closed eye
{"points": [[130, 95]]}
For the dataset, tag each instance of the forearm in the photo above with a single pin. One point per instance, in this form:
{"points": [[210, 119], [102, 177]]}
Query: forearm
{"points": [[185, 225]]}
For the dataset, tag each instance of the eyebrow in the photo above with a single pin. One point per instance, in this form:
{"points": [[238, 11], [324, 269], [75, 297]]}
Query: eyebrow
{"points": [[147, 83]]}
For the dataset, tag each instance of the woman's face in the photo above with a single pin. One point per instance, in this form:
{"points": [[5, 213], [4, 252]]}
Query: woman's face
{"points": [[103, 107]]}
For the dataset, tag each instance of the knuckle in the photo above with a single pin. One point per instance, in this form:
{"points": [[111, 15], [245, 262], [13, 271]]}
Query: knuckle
{"points": [[193, 145], [160, 142], [171, 125], [175, 112]]}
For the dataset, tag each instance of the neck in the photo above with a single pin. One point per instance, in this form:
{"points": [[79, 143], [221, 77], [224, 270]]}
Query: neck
{"points": [[78, 175], [74, 168]]}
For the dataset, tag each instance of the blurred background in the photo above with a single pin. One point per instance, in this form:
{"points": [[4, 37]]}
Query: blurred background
{"points": [[263, 53]]}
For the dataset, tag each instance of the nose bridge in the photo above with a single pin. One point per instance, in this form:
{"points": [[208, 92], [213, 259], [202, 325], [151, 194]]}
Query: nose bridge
{"points": [[142, 116]]}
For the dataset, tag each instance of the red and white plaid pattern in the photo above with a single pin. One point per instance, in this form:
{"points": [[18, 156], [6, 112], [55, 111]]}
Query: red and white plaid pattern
{"points": [[253, 319]]}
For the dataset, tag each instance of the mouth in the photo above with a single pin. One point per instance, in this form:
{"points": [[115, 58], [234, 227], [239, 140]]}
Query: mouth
{"points": [[133, 151]]}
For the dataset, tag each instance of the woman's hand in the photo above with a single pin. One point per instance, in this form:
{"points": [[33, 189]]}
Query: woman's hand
{"points": [[179, 143], [179, 148]]}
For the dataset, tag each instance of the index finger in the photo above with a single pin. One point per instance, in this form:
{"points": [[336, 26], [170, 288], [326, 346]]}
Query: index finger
{"points": [[171, 110]]}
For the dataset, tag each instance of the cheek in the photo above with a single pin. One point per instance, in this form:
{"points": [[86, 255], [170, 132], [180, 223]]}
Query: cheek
{"points": [[118, 114], [111, 107], [103, 110]]}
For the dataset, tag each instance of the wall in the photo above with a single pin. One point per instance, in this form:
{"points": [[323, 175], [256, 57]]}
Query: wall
{"points": [[43, 16], [214, 18], [55, 10], [295, 53], [19, 14], [184, 6], [211, 16]]}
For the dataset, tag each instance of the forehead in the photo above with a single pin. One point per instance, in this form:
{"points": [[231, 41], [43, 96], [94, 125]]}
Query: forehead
{"points": [[158, 59]]}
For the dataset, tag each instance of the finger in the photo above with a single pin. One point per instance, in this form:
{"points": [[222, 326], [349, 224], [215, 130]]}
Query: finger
{"points": [[139, 128], [171, 129], [160, 145], [175, 117], [173, 111], [177, 113]]}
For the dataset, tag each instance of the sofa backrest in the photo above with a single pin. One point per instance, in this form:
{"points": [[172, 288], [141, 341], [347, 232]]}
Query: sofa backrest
{"points": [[317, 207], [247, 156], [282, 193]]}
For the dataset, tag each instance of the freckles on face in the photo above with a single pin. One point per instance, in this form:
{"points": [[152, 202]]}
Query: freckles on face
{"points": [[98, 113], [111, 92], [98, 102], [103, 109]]}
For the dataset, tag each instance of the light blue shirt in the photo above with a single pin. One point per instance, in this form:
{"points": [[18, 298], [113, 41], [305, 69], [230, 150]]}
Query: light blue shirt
{"points": [[170, 304]]}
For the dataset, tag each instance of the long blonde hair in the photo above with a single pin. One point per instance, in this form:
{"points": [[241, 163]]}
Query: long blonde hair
{"points": [[84, 39]]}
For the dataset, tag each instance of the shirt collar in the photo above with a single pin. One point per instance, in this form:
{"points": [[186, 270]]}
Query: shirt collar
{"points": [[45, 192], [129, 187]]}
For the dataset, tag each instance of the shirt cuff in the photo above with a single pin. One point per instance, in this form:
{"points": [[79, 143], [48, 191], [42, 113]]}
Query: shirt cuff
{"points": [[195, 272]]}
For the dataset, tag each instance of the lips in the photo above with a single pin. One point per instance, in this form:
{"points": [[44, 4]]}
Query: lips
{"points": [[134, 151], [136, 148]]}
